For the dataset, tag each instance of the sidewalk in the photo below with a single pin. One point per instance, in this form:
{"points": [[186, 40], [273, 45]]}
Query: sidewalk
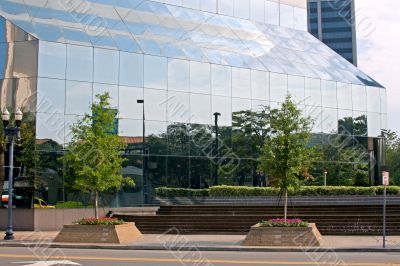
{"points": [[208, 243]]}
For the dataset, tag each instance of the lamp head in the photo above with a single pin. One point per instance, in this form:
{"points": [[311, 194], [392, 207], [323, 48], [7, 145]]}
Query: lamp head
{"points": [[140, 101], [18, 117], [5, 116], [217, 114]]}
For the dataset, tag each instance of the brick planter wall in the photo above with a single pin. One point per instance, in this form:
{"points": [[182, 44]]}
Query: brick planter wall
{"points": [[283, 236]]}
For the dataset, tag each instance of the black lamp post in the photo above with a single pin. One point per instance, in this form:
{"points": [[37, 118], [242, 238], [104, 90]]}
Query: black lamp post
{"points": [[216, 115], [10, 133], [145, 196]]}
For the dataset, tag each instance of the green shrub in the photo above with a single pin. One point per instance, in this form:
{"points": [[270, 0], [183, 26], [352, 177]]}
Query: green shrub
{"points": [[240, 191], [392, 190], [99, 221], [165, 192], [72, 205]]}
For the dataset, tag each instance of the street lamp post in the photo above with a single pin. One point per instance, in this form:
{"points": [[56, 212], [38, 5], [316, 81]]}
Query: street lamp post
{"points": [[145, 196], [11, 133], [325, 174], [216, 115]]}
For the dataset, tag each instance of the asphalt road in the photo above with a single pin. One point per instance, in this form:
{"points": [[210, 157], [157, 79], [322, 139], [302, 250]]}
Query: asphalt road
{"points": [[45, 257]]}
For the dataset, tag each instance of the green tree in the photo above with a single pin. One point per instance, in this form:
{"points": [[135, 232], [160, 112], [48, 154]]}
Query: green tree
{"points": [[392, 156], [94, 157], [286, 155]]}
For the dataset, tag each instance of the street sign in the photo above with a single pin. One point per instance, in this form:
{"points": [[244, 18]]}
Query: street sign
{"points": [[385, 178]]}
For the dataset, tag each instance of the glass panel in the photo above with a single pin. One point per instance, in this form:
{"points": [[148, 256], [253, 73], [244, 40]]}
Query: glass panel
{"points": [[329, 120], [384, 123], [195, 4], [156, 137], [130, 128], [242, 9], [50, 127], [131, 69], [374, 124], [50, 95], [241, 83], [157, 172], [78, 97], [300, 18], [373, 99], [278, 87], [360, 123], [178, 139], [296, 88], [313, 92], [112, 91], [79, 63], [178, 75], [315, 112], [178, 172], [223, 106], [260, 85], [155, 102], [286, 16], [128, 107], [178, 107], [209, 5], [225, 7], [52, 60], [329, 94], [239, 105], [200, 140], [200, 108], [359, 96], [221, 80], [344, 96], [200, 173], [383, 98], [70, 120], [106, 66], [257, 10], [346, 122], [200, 79], [155, 72], [271, 12]]}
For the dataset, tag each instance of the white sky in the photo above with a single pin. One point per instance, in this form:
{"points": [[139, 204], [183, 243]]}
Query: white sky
{"points": [[378, 34]]}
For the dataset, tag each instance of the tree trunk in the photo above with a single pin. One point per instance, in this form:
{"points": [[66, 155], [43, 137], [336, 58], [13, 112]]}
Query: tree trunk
{"points": [[96, 204], [286, 203]]}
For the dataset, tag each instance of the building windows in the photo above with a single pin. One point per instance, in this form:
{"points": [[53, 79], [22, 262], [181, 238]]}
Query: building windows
{"points": [[221, 80], [131, 69], [178, 75]]}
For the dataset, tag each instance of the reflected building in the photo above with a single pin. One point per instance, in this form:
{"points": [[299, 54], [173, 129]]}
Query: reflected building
{"points": [[187, 59], [334, 23]]}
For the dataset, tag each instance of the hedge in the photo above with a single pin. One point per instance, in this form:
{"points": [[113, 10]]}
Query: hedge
{"points": [[164, 192], [236, 191]]}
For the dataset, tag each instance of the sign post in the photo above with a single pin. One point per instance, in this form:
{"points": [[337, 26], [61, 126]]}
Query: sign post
{"points": [[385, 179]]}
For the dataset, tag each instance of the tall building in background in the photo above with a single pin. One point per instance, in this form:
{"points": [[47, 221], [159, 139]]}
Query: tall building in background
{"points": [[333, 22]]}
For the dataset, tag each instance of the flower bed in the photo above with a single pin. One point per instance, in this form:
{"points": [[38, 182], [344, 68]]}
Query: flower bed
{"points": [[99, 221], [280, 222]]}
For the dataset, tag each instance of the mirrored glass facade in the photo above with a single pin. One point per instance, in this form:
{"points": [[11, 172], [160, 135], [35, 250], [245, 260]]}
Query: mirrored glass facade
{"points": [[187, 60]]}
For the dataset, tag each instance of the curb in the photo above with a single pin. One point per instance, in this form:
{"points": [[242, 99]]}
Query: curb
{"points": [[197, 248]]}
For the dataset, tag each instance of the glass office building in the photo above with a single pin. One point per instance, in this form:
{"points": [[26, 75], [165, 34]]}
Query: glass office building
{"points": [[187, 59], [334, 23]]}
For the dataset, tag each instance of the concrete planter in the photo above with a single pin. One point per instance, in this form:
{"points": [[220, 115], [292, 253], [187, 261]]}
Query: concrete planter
{"points": [[283, 236], [110, 234]]}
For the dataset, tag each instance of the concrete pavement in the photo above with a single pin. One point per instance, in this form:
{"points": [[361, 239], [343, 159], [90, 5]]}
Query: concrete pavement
{"points": [[208, 243]]}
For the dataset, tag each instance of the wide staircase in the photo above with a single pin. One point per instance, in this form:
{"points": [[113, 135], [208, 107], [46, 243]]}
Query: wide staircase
{"points": [[203, 219]]}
